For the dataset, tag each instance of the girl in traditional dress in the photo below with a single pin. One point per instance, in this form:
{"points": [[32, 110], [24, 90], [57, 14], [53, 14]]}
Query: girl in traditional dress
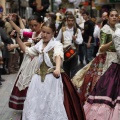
{"points": [[104, 101], [86, 78], [51, 95]]}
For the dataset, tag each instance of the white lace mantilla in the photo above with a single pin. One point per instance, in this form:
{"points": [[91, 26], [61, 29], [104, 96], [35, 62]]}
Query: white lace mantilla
{"points": [[32, 61]]}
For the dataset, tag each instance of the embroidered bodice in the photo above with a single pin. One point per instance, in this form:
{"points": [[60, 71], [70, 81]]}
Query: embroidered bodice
{"points": [[46, 56], [43, 70], [106, 35]]}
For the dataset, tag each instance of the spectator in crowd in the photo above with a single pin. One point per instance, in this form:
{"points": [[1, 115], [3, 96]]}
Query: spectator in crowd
{"points": [[6, 40], [4, 52], [1, 59], [39, 6], [98, 26], [104, 18], [88, 38], [70, 36], [13, 57]]}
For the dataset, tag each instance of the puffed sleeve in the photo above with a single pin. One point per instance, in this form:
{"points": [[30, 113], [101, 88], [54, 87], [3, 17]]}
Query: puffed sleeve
{"points": [[58, 51], [105, 31], [103, 38], [31, 51]]}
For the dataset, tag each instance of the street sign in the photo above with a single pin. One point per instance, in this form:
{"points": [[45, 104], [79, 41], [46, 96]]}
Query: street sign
{"points": [[113, 1]]}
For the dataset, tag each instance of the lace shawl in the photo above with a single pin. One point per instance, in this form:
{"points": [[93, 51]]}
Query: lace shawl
{"points": [[29, 66]]}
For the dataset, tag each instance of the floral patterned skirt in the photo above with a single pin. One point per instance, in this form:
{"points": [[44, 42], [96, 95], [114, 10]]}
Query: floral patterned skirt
{"points": [[86, 78]]}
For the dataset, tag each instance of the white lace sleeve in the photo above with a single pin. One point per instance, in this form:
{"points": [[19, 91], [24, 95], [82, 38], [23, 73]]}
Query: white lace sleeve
{"points": [[31, 51], [106, 29], [116, 40], [58, 51]]}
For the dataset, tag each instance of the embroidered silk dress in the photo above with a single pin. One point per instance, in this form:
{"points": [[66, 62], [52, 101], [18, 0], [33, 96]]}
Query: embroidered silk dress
{"points": [[86, 78], [104, 101]]}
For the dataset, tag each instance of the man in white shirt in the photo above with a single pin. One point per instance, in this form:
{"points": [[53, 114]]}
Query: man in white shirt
{"points": [[70, 35]]}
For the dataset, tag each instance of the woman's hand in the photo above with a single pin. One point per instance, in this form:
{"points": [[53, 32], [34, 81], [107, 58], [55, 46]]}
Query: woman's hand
{"points": [[14, 34], [10, 17], [56, 73], [74, 37], [10, 47]]}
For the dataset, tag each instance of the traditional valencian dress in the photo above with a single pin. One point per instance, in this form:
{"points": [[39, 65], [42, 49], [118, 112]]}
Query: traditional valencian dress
{"points": [[104, 101], [86, 78], [26, 71], [50, 98]]}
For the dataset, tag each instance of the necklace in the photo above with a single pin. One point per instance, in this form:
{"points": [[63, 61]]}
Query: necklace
{"points": [[45, 42], [112, 27]]}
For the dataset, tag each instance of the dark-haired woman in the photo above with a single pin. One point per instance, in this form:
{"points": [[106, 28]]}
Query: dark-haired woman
{"points": [[103, 101], [29, 64], [87, 77]]}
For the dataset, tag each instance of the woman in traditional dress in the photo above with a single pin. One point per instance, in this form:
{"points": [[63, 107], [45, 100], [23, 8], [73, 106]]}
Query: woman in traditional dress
{"points": [[28, 66], [51, 94], [86, 78], [104, 101]]}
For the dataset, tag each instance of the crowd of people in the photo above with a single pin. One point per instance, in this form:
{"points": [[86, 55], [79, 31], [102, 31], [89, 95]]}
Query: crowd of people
{"points": [[45, 51]]}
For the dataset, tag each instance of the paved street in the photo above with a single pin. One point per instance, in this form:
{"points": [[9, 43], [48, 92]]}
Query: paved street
{"points": [[5, 90]]}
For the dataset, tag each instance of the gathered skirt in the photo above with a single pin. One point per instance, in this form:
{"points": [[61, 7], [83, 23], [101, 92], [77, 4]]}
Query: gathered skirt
{"points": [[17, 97], [88, 76], [104, 101], [93, 71], [71, 98]]}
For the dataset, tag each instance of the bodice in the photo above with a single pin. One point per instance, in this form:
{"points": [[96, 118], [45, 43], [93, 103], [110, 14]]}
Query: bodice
{"points": [[43, 70], [106, 35]]}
